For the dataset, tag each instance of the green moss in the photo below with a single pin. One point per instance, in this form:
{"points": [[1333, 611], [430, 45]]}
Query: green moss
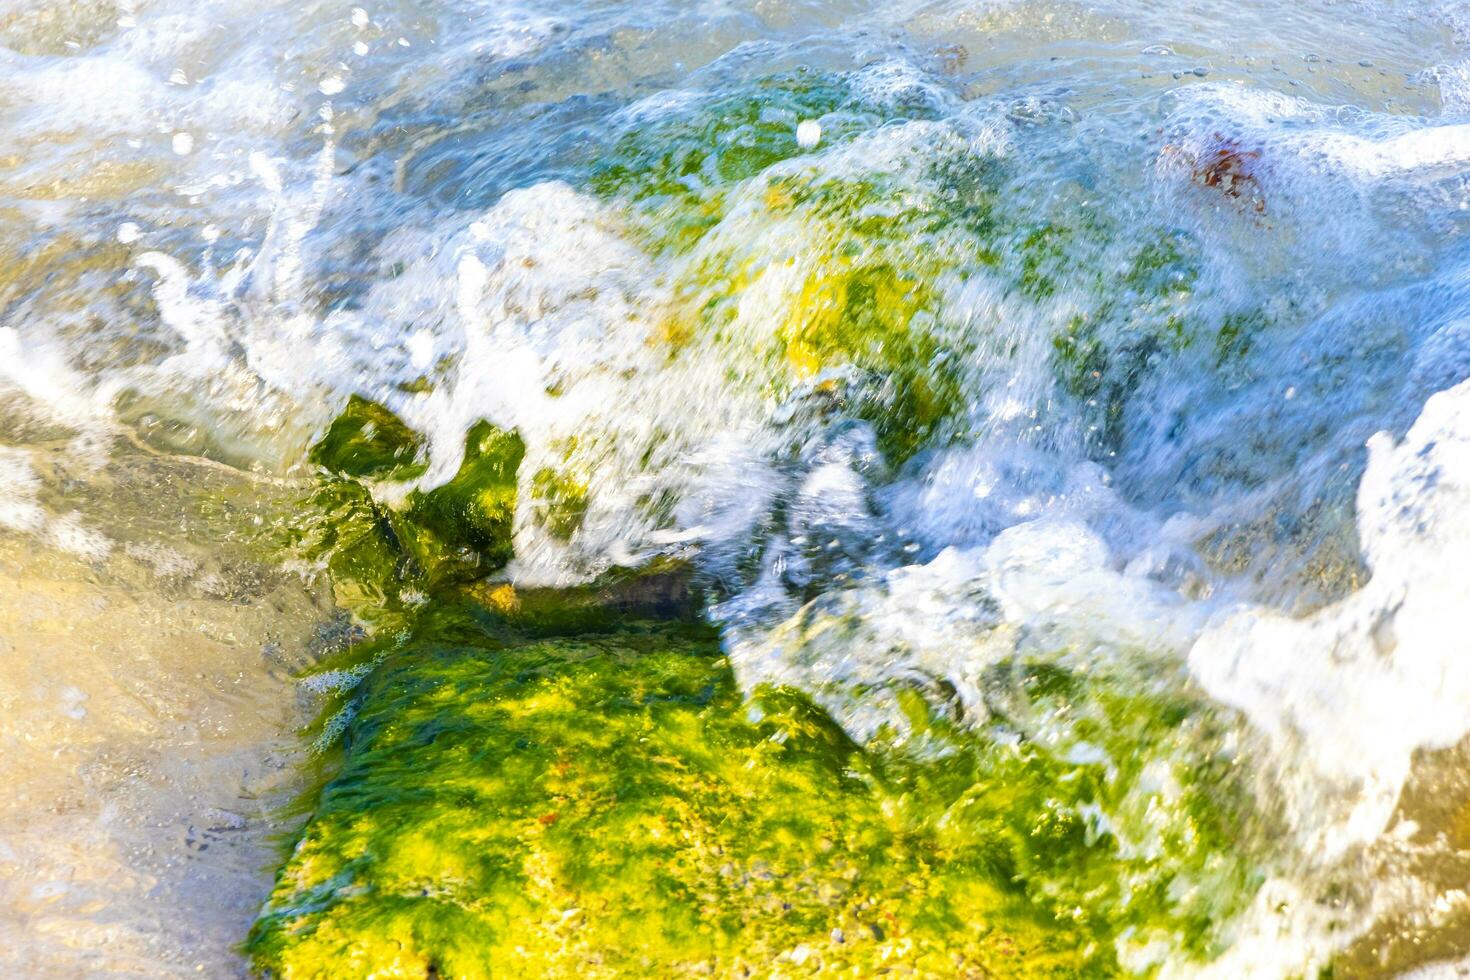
{"points": [[1236, 334], [1041, 249], [678, 167], [864, 314], [515, 801], [873, 248], [379, 555], [1104, 354], [878, 253], [561, 502], [469, 520], [369, 442], [722, 183], [861, 311], [344, 528], [551, 783], [1163, 267], [1081, 358], [968, 196]]}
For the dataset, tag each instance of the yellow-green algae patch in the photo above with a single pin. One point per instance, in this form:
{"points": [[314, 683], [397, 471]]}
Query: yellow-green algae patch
{"points": [[850, 295], [681, 167], [841, 263], [800, 270], [549, 784]]}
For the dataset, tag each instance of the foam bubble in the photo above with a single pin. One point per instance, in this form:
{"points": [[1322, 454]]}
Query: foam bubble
{"points": [[19, 486]]}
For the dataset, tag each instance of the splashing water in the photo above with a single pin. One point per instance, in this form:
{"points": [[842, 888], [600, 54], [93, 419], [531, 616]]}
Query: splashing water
{"points": [[950, 343]]}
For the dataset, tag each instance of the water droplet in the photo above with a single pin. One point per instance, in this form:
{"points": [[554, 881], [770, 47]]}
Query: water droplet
{"points": [[808, 134]]}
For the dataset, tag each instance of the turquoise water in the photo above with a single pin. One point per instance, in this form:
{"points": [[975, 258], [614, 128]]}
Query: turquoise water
{"points": [[937, 340]]}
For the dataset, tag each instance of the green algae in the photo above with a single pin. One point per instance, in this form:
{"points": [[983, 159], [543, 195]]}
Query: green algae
{"points": [[866, 313], [868, 246], [865, 303], [1041, 249], [377, 554], [471, 517], [560, 501], [862, 312], [1134, 323], [679, 167], [1236, 335], [366, 441], [571, 782], [544, 783]]}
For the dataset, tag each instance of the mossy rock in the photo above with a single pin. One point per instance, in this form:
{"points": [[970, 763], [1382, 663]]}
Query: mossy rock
{"points": [[863, 315], [561, 502], [377, 554], [878, 247], [366, 441], [519, 801], [679, 166], [604, 806], [474, 513]]}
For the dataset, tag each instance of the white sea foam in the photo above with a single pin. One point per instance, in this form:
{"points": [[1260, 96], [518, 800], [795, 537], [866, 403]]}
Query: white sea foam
{"points": [[1354, 690], [21, 510]]}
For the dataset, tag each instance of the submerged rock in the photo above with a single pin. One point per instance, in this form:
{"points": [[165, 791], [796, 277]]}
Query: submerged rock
{"points": [[377, 553]]}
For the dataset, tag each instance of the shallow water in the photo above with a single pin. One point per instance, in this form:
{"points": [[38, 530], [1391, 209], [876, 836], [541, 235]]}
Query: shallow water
{"points": [[149, 716], [937, 337]]}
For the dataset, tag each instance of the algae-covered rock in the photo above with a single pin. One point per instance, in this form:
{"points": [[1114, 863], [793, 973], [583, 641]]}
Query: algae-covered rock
{"points": [[518, 801], [681, 165], [572, 783], [366, 441], [376, 552], [856, 251], [602, 805], [469, 520], [850, 297], [561, 502], [788, 269]]}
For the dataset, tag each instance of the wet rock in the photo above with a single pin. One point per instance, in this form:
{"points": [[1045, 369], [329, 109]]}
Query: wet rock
{"points": [[509, 761], [951, 58], [219, 820]]}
